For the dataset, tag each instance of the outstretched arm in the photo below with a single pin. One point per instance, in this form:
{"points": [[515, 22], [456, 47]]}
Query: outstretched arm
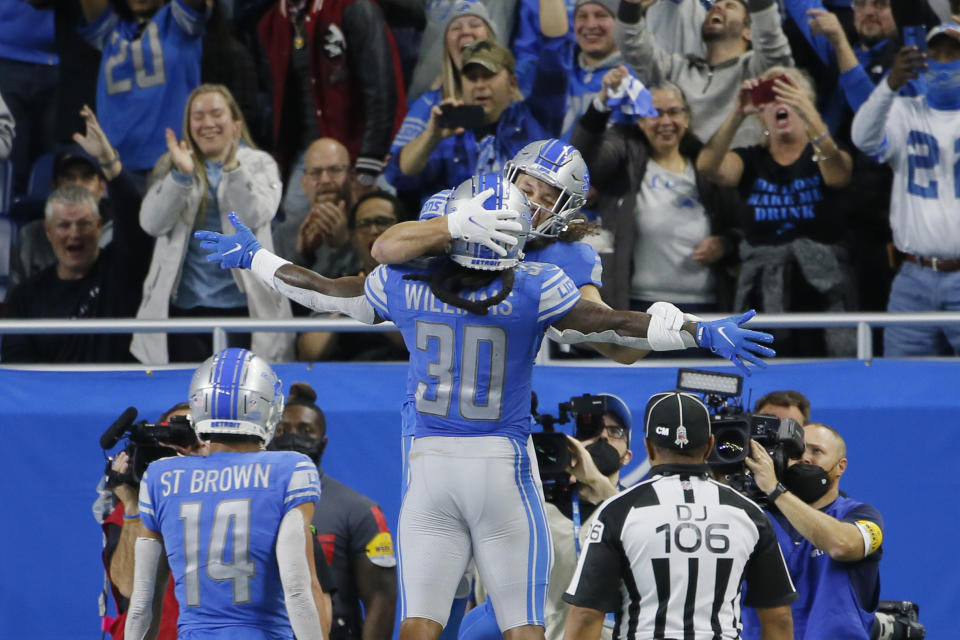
{"points": [[617, 353], [591, 322]]}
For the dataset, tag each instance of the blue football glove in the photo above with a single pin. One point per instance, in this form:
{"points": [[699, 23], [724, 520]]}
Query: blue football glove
{"points": [[233, 251], [726, 337]]}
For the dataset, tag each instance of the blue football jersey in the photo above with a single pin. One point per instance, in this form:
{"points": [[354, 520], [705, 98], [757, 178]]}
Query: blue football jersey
{"points": [[578, 260], [219, 518], [470, 375], [146, 75]]}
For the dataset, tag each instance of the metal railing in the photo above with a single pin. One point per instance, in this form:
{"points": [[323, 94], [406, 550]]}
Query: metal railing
{"points": [[864, 323]]}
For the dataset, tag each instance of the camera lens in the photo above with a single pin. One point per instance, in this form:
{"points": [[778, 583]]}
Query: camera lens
{"points": [[730, 450]]}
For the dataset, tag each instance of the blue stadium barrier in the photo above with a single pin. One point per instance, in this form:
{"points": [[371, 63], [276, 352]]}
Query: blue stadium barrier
{"points": [[899, 419]]}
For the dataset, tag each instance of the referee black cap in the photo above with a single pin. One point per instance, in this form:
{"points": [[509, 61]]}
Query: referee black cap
{"points": [[677, 420]]}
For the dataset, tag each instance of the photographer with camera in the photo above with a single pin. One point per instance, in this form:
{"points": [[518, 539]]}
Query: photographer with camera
{"points": [[832, 542], [121, 529], [668, 554]]}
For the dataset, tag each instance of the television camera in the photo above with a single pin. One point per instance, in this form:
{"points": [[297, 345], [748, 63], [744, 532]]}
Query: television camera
{"points": [[733, 428], [143, 443]]}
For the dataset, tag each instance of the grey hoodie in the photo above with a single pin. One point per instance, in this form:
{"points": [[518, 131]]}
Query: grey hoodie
{"points": [[710, 91]]}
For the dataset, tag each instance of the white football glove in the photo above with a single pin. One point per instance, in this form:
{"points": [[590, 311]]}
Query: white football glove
{"points": [[471, 222]]}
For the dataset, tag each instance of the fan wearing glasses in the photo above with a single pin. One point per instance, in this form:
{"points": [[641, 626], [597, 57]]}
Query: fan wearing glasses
{"points": [[374, 213]]}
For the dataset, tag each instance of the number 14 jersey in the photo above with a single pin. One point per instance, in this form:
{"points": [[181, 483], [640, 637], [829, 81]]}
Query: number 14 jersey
{"points": [[219, 518]]}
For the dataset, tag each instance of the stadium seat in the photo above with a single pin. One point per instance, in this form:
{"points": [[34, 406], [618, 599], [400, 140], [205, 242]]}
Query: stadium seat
{"points": [[41, 177]]}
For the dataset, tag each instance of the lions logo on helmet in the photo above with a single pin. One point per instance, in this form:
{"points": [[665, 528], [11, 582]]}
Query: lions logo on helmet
{"points": [[435, 206], [505, 196], [235, 391], [561, 166]]}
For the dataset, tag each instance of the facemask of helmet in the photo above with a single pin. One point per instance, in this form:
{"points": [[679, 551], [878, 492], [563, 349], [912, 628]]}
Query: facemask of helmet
{"points": [[558, 165], [236, 392], [474, 255]]}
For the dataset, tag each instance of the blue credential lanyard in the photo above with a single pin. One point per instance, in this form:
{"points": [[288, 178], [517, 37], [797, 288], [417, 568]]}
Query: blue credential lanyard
{"points": [[575, 509]]}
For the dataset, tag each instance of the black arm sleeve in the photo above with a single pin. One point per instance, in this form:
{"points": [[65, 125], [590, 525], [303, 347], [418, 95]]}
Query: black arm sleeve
{"points": [[766, 574], [371, 64]]}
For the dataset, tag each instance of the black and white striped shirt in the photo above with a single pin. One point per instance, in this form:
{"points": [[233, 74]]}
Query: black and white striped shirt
{"points": [[669, 555]]}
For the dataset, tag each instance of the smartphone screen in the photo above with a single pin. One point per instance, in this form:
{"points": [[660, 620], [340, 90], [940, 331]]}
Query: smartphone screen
{"points": [[468, 116], [763, 93]]}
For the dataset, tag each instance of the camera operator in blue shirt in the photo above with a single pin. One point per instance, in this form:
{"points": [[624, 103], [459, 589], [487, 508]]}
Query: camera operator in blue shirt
{"points": [[831, 542]]}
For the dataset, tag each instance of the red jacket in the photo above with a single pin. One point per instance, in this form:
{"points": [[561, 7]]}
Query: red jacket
{"points": [[170, 611], [356, 75]]}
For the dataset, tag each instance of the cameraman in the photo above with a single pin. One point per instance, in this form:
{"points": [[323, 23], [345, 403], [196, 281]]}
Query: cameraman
{"points": [[120, 530], [832, 543], [599, 450]]}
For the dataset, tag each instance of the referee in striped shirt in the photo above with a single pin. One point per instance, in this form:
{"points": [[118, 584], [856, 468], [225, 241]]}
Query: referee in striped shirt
{"points": [[668, 555]]}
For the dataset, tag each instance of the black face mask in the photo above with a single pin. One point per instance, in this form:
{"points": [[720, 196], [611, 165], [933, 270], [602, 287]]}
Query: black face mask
{"points": [[310, 447], [605, 456], [806, 481]]}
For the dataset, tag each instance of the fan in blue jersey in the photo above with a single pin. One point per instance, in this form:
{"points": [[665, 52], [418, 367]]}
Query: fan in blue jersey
{"points": [[150, 64], [234, 526], [473, 324]]}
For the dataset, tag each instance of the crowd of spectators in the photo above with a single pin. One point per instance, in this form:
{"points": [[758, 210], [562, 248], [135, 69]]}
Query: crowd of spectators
{"points": [[794, 155]]}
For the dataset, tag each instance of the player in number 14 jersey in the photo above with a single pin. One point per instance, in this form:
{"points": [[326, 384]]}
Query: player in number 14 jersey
{"points": [[235, 524]]}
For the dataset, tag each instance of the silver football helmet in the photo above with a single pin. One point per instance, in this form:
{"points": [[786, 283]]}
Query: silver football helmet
{"points": [[235, 391], [561, 166], [505, 196]]}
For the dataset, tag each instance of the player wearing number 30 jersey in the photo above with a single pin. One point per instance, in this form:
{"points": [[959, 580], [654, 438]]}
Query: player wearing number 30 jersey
{"points": [[235, 525], [473, 323]]}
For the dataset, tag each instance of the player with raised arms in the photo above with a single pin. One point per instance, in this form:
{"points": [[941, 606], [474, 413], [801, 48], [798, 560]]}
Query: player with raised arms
{"points": [[232, 527], [473, 323]]}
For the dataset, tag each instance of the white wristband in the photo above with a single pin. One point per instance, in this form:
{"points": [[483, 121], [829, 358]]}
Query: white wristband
{"points": [[265, 265], [668, 336]]}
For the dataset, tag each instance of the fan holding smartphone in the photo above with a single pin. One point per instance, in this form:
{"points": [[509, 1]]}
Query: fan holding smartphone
{"points": [[788, 186]]}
